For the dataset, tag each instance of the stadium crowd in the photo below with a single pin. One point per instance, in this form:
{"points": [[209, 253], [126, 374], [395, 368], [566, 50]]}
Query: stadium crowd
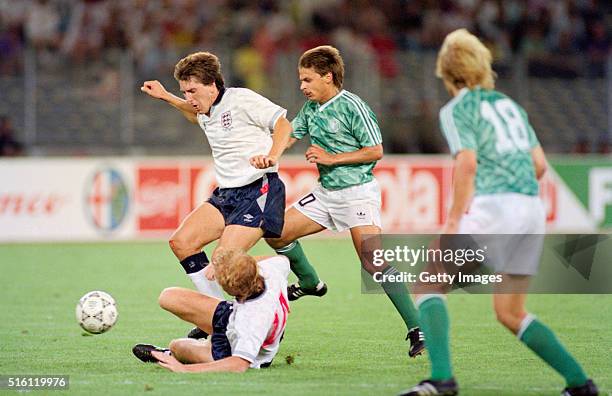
{"points": [[564, 39], [157, 31]]}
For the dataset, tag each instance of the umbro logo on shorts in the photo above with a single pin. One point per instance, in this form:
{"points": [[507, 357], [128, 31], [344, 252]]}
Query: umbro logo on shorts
{"points": [[248, 218]]}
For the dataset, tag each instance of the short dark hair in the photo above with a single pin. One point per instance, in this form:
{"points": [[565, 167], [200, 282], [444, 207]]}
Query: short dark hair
{"points": [[203, 66], [325, 59]]}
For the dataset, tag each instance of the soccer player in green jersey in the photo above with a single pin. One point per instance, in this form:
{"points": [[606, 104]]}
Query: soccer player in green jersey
{"points": [[346, 143], [498, 162]]}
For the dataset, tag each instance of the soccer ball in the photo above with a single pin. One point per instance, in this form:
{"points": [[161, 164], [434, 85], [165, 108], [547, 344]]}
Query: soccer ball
{"points": [[96, 312]]}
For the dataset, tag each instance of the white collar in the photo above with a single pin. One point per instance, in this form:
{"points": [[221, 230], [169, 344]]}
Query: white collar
{"points": [[333, 98]]}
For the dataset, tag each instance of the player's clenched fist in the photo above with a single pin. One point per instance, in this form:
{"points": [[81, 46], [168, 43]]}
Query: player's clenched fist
{"points": [[154, 88], [317, 155], [263, 161]]}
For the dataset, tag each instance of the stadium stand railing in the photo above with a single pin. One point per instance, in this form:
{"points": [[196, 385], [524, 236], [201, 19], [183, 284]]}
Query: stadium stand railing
{"points": [[58, 107]]}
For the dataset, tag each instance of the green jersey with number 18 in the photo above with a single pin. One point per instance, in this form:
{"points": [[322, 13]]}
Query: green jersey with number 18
{"points": [[497, 129], [343, 124]]}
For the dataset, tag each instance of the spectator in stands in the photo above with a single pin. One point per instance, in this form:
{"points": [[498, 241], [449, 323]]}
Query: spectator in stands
{"points": [[597, 49], [11, 49], [9, 146], [42, 25], [562, 39]]}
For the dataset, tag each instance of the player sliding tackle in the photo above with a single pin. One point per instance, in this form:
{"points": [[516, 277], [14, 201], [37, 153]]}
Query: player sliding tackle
{"points": [[246, 332], [498, 162], [346, 143], [250, 199]]}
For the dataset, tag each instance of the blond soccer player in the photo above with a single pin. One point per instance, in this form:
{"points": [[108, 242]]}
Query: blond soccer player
{"points": [[245, 332], [498, 162]]}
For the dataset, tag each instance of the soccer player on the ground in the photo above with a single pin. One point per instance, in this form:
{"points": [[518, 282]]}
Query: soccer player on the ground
{"points": [[245, 332], [250, 199], [498, 162], [346, 143]]}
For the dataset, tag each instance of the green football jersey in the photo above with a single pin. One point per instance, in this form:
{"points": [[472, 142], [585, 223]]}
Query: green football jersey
{"points": [[345, 123], [497, 129]]}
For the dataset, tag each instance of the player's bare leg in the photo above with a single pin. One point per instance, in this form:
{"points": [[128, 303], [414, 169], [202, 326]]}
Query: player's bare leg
{"points": [[359, 235], [366, 238], [190, 351], [189, 305], [239, 237], [510, 307], [510, 311], [202, 226], [296, 226]]}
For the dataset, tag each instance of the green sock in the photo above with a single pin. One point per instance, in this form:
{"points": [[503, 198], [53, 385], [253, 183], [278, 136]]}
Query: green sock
{"points": [[307, 275], [435, 325], [399, 296], [541, 340]]}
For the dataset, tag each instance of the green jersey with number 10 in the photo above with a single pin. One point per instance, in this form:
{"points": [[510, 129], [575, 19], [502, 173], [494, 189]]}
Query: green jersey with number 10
{"points": [[497, 129], [343, 124]]}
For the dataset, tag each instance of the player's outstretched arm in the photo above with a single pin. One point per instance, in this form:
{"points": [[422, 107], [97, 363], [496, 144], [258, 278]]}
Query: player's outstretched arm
{"points": [[539, 161], [233, 364], [280, 142], [463, 188], [156, 90], [316, 154]]}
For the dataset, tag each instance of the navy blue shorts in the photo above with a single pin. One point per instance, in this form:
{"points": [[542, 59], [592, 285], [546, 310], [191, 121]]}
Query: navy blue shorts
{"points": [[259, 204], [220, 345]]}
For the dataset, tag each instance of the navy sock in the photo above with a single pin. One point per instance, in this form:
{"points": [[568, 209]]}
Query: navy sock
{"points": [[195, 262]]}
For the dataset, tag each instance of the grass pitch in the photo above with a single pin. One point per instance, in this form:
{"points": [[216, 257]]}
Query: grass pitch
{"points": [[344, 343]]}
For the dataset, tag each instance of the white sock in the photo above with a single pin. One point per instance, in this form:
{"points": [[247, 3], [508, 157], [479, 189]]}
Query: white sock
{"points": [[205, 286]]}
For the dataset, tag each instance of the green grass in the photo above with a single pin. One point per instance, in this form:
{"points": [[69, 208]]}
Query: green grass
{"points": [[344, 343]]}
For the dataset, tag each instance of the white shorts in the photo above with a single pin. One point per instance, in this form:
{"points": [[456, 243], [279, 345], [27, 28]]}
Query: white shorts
{"points": [[343, 209], [512, 226]]}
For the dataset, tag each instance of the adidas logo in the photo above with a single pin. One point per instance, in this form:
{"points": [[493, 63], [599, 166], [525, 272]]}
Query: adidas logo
{"points": [[361, 214]]}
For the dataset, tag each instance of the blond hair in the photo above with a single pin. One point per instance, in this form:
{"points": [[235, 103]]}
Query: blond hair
{"points": [[237, 273], [324, 59], [464, 61]]}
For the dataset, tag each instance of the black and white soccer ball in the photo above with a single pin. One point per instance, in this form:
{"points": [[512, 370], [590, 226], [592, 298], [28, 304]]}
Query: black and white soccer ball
{"points": [[96, 312]]}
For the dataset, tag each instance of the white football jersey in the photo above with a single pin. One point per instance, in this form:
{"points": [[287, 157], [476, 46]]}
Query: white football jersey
{"points": [[238, 128], [255, 327]]}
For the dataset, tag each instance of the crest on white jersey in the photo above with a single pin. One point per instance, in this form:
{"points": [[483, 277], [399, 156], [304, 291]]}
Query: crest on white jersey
{"points": [[226, 119]]}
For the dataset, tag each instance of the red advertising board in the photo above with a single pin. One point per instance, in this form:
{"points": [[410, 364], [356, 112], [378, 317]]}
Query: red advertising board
{"points": [[415, 192]]}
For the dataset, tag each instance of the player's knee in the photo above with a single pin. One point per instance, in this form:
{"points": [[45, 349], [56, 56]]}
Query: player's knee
{"points": [[277, 243], [509, 318], [183, 247], [177, 244], [168, 298], [176, 347], [287, 237], [369, 267]]}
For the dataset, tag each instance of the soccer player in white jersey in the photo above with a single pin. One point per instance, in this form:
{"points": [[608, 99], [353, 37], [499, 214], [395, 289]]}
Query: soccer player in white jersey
{"points": [[247, 134], [346, 143], [245, 332], [498, 162]]}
